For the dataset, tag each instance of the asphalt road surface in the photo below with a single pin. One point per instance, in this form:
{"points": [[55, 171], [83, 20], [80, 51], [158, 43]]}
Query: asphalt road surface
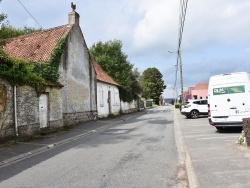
{"points": [[139, 152]]}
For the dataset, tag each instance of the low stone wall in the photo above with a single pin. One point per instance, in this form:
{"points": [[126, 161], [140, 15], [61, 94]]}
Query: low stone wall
{"points": [[246, 128], [70, 119]]}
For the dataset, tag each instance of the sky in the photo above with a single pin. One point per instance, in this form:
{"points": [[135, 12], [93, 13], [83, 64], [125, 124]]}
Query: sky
{"points": [[215, 40]]}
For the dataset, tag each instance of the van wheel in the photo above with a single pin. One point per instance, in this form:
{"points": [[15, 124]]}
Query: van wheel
{"points": [[194, 114]]}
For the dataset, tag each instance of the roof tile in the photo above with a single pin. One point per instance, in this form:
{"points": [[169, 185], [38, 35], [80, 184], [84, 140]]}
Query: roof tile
{"points": [[101, 75], [37, 46]]}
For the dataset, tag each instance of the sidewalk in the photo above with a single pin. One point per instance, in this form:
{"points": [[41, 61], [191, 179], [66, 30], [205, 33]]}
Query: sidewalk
{"points": [[213, 159], [21, 150]]}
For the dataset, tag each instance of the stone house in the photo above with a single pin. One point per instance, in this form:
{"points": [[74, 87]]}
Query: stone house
{"points": [[108, 99], [70, 100]]}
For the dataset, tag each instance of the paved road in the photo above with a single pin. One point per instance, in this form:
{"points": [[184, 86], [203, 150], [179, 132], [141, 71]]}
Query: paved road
{"points": [[216, 158], [139, 152]]}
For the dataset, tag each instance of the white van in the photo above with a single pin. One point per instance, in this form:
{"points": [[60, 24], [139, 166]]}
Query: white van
{"points": [[228, 99]]}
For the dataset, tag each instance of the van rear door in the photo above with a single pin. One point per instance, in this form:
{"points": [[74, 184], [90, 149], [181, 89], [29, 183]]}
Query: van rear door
{"points": [[219, 107], [238, 98]]}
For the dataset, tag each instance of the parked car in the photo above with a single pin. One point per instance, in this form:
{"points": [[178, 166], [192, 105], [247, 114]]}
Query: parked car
{"points": [[195, 108]]}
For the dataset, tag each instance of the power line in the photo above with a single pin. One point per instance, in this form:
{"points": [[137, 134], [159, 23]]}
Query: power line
{"points": [[183, 10], [30, 14]]}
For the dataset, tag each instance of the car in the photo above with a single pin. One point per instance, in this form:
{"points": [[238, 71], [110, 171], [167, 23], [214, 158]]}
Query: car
{"points": [[194, 108]]}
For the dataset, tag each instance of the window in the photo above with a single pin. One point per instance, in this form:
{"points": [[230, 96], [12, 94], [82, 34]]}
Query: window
{"points": [[197, 102], [204, 102], [195, 96]]}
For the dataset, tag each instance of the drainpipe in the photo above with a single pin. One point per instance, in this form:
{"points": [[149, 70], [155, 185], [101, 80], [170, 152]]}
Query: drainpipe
{"points": [[15, 111]]}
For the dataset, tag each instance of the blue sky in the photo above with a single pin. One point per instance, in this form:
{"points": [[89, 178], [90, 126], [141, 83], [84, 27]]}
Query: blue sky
{"points": [[216, 37]]}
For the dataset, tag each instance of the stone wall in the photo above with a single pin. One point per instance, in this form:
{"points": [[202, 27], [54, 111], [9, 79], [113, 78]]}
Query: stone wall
{"points": [[129, 107], [71, 119], [27, 111], [55, 107], [7, 124]]}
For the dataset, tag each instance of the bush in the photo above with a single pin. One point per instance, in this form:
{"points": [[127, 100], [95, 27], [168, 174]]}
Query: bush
{"points": [[246, 128], [177, 105]]}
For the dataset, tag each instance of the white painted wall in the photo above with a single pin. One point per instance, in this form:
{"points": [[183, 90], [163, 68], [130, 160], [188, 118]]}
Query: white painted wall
{"points": [[102, 99], [128, 107]]}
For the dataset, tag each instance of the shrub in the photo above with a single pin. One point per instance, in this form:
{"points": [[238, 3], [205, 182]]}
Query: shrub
{"points": [[246, 128]]}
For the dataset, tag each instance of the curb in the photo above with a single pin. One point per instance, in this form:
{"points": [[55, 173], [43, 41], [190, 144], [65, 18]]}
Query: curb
{"points": [[59, 143], [184, 159]]}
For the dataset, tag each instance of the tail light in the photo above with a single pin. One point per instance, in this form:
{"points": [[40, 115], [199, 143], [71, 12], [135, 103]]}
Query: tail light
{"points": [[186, 106], [209, 115]]}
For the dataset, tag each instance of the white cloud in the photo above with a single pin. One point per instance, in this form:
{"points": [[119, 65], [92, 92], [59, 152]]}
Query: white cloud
{"points": [[158, 27], [216, 34]]}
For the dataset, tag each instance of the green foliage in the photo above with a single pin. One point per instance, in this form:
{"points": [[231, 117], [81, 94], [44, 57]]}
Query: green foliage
{"points": [[2, 16], [7, 32], [152, 84], [49, 71], [20, 72], [114, 62]]}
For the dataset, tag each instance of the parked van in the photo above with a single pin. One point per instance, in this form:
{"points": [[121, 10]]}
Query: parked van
{"points": [[228, 99]]}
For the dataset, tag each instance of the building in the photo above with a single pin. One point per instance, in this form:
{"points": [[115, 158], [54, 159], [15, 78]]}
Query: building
{"points": [[71, 99], [199, 91], [108, 98]]}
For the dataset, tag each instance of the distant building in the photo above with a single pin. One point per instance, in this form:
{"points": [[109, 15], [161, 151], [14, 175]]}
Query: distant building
{"points": [[199, 91]]}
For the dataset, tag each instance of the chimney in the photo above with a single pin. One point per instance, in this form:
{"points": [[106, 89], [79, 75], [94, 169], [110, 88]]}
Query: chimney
{"points": [[73, 16]]}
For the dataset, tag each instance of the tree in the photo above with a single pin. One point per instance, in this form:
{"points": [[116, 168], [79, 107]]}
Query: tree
{"points": [[2, 16], [7, 31], [114, 62], [152, 84]]}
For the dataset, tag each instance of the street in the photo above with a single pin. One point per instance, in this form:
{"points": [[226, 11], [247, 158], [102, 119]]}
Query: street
{"points": [[139, 152]]}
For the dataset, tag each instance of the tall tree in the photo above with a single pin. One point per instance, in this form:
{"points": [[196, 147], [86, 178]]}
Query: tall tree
{"points": [[7, 31], [2, 15], [152, 84], [114, 62]]}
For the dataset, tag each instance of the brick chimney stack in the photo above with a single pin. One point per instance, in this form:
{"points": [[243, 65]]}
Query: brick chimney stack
{"points": [[73, 16]]}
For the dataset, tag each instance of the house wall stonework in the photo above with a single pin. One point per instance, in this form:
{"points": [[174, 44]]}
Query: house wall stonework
{"points": [[79, 80], [102, 99], [6, 115], [55, 107], [27, 111]]}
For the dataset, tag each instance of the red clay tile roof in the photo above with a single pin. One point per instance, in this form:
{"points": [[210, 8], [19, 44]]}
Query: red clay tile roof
{"points": [[101, 75], [37, 46]]}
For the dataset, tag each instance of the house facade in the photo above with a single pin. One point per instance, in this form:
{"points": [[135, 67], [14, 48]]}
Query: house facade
{"points": [[70, 100], [108, 99], [199, 91]]}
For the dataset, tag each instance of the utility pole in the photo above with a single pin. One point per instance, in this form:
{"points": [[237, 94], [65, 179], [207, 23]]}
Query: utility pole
{"points": [[181, 75]]}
